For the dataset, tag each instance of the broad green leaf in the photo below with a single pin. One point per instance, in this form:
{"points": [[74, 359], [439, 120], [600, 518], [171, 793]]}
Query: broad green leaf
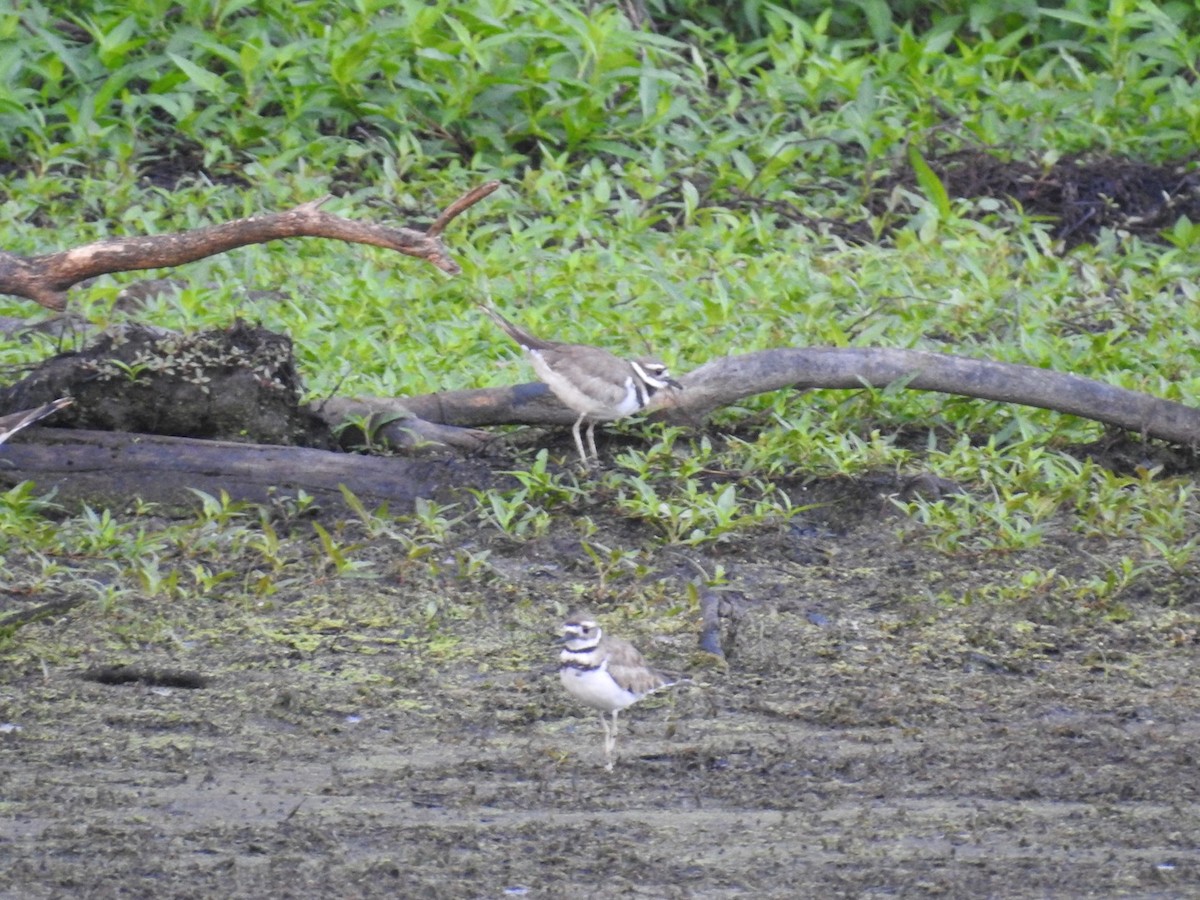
{"points": [[931, 185], [202, 78]]}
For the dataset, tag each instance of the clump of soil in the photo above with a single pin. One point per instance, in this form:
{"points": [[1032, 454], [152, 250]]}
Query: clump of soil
{"points": [[1080, 195], [236, 384]]}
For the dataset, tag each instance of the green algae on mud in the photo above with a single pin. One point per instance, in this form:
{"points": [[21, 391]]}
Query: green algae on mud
{"points": [[399, 730]]}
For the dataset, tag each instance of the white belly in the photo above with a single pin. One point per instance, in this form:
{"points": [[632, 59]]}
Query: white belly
{"points": [[629, 405], [596, 689]]}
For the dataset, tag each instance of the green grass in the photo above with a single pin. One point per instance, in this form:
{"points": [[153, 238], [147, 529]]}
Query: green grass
{"points": [[689, 190]]}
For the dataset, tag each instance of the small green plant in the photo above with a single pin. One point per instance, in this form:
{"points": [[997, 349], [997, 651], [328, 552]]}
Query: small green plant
{"points": [[154, 582], [1105, 590], [610, 561], [337, 554], [528, 510], [267, 544], [132, 371], [426, 529], [222, 510], [512, 514], [207, 580], [21, 505], [374, 523], [1180, 558], [667, 458], [1005, 522], [549, 489], [692, 513]]}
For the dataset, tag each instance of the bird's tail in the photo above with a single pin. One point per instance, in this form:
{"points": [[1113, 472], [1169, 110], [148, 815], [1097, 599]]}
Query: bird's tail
{"points": [[14, 422], [669, 680], [516, 332]]}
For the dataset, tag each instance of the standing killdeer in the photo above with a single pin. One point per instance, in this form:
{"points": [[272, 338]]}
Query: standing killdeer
{"points": [[592, 382], [14, 422], [605, 673]]}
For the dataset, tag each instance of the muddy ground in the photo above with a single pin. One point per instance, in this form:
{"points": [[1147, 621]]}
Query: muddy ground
{"points": [[403, 734]]}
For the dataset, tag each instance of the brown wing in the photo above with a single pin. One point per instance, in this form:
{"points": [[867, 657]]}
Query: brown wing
{"points": [[14, 422], [595, 373], [628, 668]]}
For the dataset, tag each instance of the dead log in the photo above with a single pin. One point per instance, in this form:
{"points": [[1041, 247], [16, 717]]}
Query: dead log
{"points": [[369, 423], [519, 404], [108, 469], [730, 379], [46, 279]]}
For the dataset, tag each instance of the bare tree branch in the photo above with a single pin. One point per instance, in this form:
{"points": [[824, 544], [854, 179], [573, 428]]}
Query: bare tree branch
{"points": [[729, 379], [14, 620], [466, 201], [46, 279]]}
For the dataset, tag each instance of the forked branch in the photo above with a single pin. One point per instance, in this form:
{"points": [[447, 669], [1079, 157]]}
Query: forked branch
{"points": [[46, 279]]}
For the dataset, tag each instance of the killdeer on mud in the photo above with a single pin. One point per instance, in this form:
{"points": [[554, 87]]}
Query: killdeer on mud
{"points": [[14, 422], [605, 673], [598, 385]]}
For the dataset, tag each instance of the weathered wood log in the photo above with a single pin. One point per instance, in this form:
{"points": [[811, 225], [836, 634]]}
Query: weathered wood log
{"points": [[111, 469], [729, 379], [520, 404], [381, 422]]}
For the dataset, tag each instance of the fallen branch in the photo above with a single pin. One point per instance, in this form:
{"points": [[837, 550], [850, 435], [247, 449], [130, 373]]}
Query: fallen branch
{"points": [[102, 468], [729, 379], [521, 404], [46, 279], [381, 422], [10, 622]]}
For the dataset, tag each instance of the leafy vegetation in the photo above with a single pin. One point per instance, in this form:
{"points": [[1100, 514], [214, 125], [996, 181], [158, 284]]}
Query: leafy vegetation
{"points": [[700, 187]]}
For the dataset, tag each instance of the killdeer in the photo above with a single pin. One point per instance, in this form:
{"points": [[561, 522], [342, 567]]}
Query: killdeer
{"points": [[588, 380], [605, 673], [14, 422]]}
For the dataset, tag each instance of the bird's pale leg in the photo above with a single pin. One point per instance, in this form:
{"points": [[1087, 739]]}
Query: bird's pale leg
{"points": [[579, 439], [592, 440], [610, 741]]}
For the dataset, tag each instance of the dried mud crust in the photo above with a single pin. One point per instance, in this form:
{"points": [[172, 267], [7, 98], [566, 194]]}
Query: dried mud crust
{"points": [[406, 736]]}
